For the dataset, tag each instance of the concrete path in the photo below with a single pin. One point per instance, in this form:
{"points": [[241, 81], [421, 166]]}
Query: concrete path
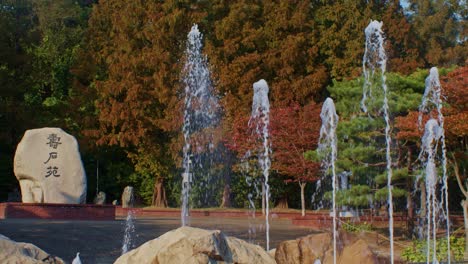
{"points": [[101, 241]]}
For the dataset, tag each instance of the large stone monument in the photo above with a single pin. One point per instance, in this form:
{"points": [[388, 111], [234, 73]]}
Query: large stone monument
{"points": [[48, 167]]}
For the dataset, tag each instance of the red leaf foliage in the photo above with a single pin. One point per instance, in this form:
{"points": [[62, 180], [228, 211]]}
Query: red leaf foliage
{"points": [[455, 110], [293, 131]]}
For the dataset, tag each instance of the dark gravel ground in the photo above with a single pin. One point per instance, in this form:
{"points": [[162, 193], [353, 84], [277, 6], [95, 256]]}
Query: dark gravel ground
{"points": [[101, 241]]}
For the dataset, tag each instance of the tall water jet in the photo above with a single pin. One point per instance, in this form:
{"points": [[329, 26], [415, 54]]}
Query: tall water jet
{"points": [[251, 181], [260, 119], [432, 100], [374, 60], [430, 141], [201, 112], [328, 151]]}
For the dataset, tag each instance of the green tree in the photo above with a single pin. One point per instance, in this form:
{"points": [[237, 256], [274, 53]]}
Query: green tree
{"points": [[61, 25], [16, 115], [361, 146]]}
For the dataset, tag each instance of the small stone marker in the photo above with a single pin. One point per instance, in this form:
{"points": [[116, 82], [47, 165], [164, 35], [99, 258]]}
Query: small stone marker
{"points": [[100, 198], [127, 197], [48, 167]]}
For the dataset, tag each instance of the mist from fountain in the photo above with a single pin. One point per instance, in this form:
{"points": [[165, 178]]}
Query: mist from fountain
{"points": [[260, 119], [375, 60], [432, 99], [201, 112], [327, 148]]}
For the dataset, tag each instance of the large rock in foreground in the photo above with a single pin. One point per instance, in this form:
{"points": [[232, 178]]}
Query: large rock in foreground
{"points": [[351, 249], [193, 245], [12, 252], [48, 167]]}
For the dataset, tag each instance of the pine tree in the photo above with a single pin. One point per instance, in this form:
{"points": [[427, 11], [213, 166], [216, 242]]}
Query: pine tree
{"points": [[361, 139]]}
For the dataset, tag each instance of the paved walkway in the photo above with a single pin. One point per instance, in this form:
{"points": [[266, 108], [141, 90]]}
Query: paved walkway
{"points": [[101, 241]]}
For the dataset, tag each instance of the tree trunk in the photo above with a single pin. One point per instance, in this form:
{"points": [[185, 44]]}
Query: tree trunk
{"points": [[464, 205], [283, 203], [422, 212], [159, 194], [410, 207], [227, 169], [226, 202], [409, 198], [302, 185]]}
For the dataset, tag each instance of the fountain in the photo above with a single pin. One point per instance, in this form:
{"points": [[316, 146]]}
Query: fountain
{"points": [[374, 60], [328, 149], [251, 182], [201, 110], [77, 259], [260, 119], [432, 135], [432, 99]]}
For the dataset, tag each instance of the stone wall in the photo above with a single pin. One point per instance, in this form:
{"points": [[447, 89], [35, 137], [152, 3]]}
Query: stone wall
{"points": [[57, 211]]}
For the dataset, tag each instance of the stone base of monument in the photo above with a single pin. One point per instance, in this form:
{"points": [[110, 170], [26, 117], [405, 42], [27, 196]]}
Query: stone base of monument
{"points": [[57, 211]]}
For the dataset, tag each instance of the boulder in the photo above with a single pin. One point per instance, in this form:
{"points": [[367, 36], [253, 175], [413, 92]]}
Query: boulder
{"points": [[359, 253], [100, 198], [127, 197], [12, 252], [48, 167], [318, 248], [193, 245]]}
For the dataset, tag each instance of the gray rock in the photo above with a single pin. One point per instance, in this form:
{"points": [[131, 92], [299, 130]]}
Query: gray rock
{"points": [[12, 252], [318, 248], [193, 245], [48, 167], [100, 198]]}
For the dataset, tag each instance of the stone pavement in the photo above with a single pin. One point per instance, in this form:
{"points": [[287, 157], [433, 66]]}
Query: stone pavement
{"points": [[101, 241]]}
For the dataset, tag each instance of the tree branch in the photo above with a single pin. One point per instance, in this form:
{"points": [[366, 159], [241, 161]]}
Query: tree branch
{"points": [[457, 175]]}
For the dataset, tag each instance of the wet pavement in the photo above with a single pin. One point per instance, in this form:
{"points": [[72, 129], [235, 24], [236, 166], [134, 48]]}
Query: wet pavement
{"points": [[101, 241]]}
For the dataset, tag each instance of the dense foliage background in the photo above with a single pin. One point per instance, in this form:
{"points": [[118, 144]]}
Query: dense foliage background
{"points": [[109, 72]]}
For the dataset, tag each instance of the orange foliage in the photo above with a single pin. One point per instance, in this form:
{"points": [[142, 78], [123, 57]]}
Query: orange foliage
{"points": [[295, 130], [455, 110]]}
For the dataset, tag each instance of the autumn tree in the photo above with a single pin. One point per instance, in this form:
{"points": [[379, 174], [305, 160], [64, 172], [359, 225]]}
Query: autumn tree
{"points": [[275, 41], [409, 133], [341, 26], [456, 126], [295, 130], [136, 82], [440, 26], [401, 45]]}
